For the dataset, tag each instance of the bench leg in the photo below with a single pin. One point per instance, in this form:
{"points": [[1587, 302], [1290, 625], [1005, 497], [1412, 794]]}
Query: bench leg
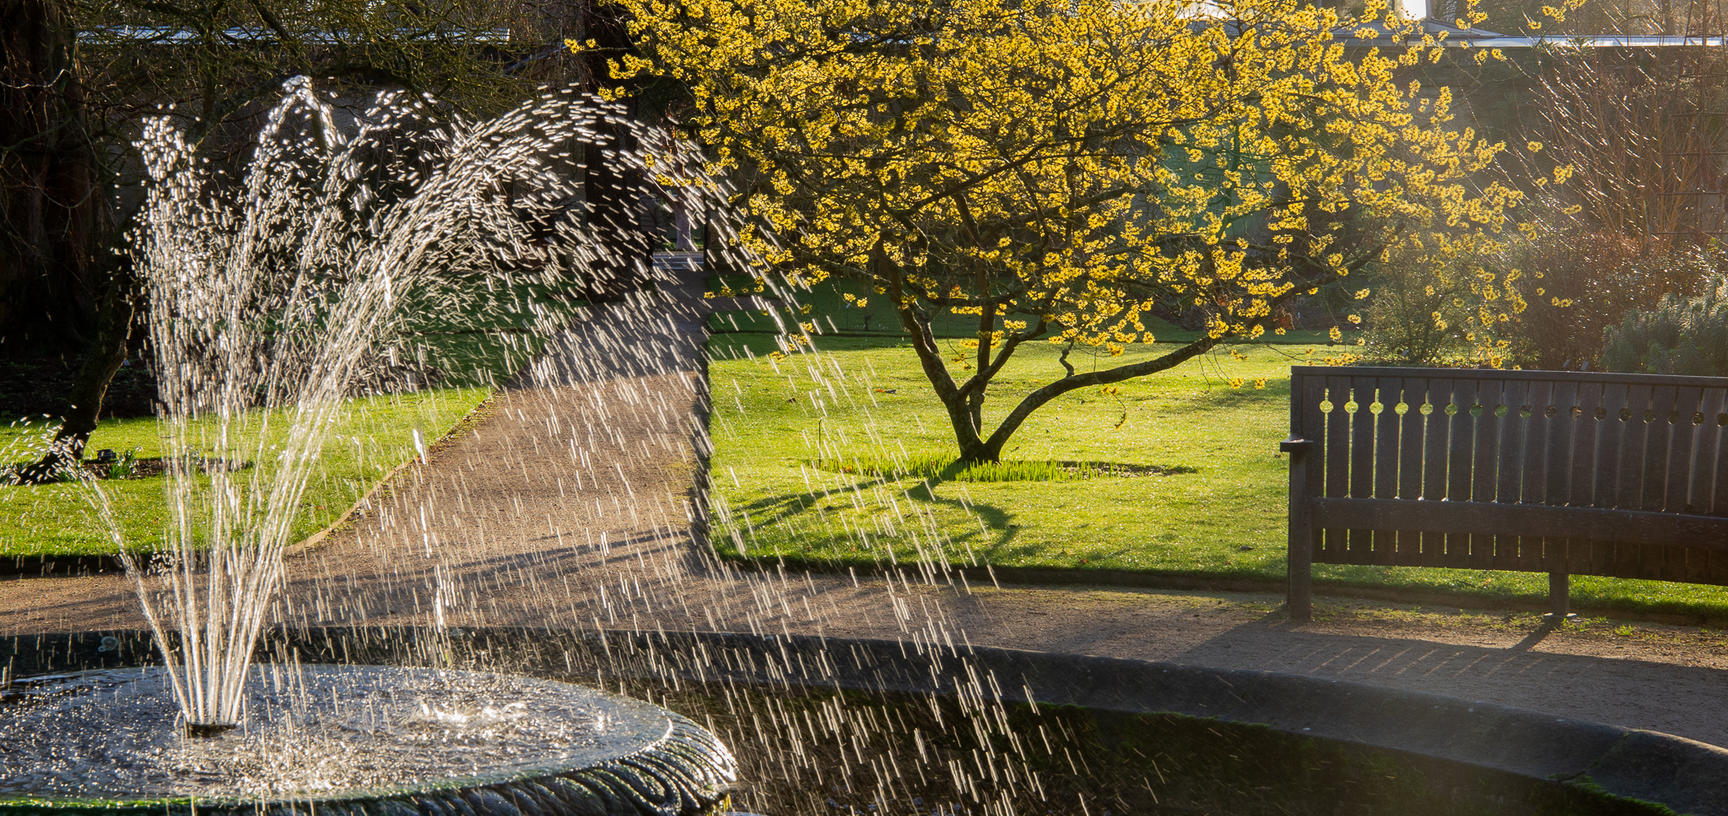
{"points": [[1559, 596], [1299, 593], [1299, 600]]}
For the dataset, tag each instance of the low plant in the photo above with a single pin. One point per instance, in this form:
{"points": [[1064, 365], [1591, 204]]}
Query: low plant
{"points": [[1679, 336], [1425, 309], [125, 465], [944, 469]]}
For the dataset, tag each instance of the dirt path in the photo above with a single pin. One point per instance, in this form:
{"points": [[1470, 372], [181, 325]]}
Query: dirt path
{"points": [[570, 505]]}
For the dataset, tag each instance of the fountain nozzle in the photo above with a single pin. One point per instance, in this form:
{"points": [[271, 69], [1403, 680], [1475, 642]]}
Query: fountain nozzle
{"points": [[206, 730]]}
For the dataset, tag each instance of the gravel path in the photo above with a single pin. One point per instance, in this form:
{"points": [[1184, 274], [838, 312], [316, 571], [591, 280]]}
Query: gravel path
{"points": [[570, 504]]}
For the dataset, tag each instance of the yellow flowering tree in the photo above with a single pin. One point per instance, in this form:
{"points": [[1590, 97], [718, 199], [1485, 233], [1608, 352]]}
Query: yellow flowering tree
{"points": [[1065, 170]]}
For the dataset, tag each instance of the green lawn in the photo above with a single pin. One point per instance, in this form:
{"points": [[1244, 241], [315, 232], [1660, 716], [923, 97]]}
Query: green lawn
{"points": [[469, 352], [372, 437], [833, 458]]}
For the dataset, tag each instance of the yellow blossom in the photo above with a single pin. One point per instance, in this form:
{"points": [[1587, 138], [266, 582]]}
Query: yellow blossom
{"points": [[945, 170]]}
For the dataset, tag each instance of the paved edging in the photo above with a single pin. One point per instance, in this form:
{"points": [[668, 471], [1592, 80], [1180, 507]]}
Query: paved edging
{"points": [[1011, 577]]}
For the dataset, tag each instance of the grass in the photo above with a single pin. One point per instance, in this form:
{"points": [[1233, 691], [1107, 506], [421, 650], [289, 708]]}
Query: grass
{"points": [[373, 436], [839, 458]]}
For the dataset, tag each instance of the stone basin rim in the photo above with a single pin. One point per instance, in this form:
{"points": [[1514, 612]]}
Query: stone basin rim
{"points": [[1684, 774], [674, 739]]}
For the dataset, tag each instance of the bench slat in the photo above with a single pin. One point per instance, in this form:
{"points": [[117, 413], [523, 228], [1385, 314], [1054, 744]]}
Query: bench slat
{"points": [[1337, 459], [1634, 433], [1514, 458], [1557, 438], [1520, 452], [1458, 465], [1562, 426], [1408, 544], [1719, 468], [1605, 480], [1437, 428], [1583, 555], [1627, 475], [1688, 402], [1590, 523], [1658, 435], [1386, 461], [1484, 461], [1706, 464], [1360, 543], [1584, 423], [1533, 479]]}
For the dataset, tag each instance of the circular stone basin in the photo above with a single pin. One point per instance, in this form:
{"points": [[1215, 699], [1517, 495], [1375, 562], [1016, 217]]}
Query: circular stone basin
{"points": [[355, 739]]}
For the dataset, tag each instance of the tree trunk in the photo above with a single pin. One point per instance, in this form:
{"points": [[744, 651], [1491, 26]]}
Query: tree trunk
{"points": [[102, 360], [618, 198], [56, 223], [966, 415], [114, 335], [619, 215], [55, 217], [978, 453]]}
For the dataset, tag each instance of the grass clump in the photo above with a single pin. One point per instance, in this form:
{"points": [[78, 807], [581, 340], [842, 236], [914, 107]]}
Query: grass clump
{"points": [[944, 469]]}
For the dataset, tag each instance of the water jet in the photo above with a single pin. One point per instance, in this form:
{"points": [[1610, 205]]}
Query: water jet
{"points": [[273, 297]]}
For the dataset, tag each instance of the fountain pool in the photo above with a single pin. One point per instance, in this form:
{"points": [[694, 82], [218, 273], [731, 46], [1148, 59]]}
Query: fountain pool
{"points": [[852, 727]]}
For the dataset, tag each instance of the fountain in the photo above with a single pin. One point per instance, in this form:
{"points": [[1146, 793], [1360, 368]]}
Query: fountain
{"points": [[921, 724], [272, 299]]}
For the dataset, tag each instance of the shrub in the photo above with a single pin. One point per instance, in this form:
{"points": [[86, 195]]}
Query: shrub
{"points": [[1414, 316], [1405, 326], [1578, 284], [1679, 336]]}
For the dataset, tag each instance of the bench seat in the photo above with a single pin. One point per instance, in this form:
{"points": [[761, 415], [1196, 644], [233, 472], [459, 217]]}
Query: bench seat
{"points": [[1622, 475]]}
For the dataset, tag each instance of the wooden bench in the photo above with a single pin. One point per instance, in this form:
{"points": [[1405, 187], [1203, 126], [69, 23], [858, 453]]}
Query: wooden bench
{"points": [[1623, 475]]}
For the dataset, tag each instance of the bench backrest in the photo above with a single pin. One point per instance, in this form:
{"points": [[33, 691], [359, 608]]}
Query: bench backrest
{"points": [[1501, 448]]}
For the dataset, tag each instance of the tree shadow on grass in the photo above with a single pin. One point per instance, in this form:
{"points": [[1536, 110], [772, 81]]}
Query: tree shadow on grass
{"points": [[988, 535], [780, 509], [992, 518]]}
